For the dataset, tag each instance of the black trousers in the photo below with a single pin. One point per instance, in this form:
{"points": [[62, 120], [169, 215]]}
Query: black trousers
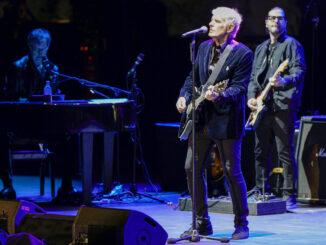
{"points": [[278, 126], [230, 154]]}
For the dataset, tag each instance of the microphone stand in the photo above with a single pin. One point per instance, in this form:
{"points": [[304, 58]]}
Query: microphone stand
{"points": [[136, 138], [315, 21], [311, 14], [194, 235], [90, 84], [131, 95]]}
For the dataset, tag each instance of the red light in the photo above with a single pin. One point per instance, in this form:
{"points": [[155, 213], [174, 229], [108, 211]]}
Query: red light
{"points": [[90, 58], [81, 48]]}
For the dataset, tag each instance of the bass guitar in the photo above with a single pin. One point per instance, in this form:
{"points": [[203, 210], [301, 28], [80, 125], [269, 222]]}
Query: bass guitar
{"points": [[255, 116], [186, 117]]}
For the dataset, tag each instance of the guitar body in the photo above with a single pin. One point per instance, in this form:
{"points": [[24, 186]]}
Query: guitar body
{"points": [[186, 117], [186, 121], [216, 165], [255, 116]]}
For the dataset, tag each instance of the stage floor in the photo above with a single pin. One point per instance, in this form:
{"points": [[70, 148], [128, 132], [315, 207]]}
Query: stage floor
{"points": [[305, 225]]}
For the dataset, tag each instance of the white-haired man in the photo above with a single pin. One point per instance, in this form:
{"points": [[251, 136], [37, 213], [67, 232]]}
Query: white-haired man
{"points": [[222, 117]]}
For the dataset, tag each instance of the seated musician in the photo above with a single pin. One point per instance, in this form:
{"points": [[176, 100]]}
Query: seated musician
{"points": [[26, 78]]}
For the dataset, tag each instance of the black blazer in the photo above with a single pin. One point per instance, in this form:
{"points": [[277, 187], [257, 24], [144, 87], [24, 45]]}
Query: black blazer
{"points": [[224, 118], [24, 79]]}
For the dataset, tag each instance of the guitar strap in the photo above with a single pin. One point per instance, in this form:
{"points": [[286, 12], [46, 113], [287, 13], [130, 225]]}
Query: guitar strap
{"points": [[212, 78]]}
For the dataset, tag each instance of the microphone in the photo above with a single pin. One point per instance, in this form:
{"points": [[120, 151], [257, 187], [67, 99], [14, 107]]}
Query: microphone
{"points": [[202, 29], [137, 62], [47, 64]]}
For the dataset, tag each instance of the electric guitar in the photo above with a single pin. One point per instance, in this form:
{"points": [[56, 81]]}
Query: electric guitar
{"points": [[216, 165], [255, 116], [186, 117]]}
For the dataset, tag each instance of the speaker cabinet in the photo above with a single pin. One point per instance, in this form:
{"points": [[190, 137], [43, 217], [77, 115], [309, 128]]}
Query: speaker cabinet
{"points": [[53, 229], [116, 226], [12, 212], [311, 159]]}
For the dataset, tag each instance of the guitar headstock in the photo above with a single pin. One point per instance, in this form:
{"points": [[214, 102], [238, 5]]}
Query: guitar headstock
{"points": [[283, 65], [221, 86]]}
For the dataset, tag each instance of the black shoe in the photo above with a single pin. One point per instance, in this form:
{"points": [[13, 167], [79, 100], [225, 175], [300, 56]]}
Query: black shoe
{"points": [[241, 232], [204, 227], [8, 193]]}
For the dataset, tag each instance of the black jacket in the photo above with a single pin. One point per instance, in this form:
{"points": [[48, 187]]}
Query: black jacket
{"points": [[225, 118], [24, 79], [288, 97]]}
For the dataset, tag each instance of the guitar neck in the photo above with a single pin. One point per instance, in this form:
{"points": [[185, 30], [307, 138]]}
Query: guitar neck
{"points": [[201, 97], [220, 86], [265, 92], [268, 87], [199, 100]]}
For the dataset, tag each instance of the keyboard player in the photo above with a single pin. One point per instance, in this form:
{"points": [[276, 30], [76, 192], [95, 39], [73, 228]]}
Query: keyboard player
{"points": [[26, 78]]}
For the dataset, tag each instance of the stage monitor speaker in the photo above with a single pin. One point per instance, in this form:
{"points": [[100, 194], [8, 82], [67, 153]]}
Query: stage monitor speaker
{"points": [[12, 212], [116, 226], [311, 159], [52, 228]]}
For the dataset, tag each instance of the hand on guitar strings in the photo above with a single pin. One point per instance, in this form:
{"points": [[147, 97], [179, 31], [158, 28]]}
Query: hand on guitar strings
{"points": [[181, 104], [252, 104], [277, 81], [211, 94]]}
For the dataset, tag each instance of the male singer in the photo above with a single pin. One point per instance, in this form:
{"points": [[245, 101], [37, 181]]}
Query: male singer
{"points": [[223, 116]]}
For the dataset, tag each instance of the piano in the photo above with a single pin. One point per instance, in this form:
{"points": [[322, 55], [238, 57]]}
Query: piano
{"points": [[36, 120]]}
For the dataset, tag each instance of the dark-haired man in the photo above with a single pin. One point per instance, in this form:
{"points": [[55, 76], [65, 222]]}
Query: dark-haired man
{"points": [[30, 73], [28, 77], [25, 78], [278, 121]]}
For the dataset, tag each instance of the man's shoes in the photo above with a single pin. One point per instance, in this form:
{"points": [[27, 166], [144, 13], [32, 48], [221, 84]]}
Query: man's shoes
{"points": [[204, 227], [241, 232], [8, 193], [291, 202], [256, 194]]}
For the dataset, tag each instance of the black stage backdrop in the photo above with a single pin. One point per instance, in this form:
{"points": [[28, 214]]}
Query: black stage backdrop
{"points": [[115, 32]]}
